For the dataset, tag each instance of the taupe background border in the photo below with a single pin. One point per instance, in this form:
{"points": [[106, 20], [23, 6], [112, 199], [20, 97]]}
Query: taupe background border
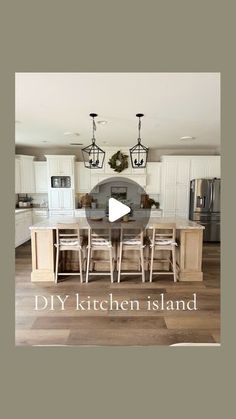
{"points": [[169, 36]]}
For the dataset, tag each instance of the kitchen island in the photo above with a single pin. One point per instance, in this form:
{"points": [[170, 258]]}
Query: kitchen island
{"points": [[189, 249]]}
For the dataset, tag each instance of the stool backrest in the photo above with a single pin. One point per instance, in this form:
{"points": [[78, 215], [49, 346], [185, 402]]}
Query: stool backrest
{"points": [[165, 231], [67, 231]]}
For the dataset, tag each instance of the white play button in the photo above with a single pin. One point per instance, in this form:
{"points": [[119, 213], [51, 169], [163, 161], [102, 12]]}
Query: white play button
{"points": [[117, 210]]}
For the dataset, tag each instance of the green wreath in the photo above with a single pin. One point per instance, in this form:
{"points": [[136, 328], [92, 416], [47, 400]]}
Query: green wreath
{"points": [[118, 162]]}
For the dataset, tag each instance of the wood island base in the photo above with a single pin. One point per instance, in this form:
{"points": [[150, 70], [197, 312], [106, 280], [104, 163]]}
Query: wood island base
{"points": [[189, 254]]}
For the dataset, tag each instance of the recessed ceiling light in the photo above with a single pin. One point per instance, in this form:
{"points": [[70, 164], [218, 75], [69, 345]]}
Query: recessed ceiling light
{"points": [[187, 137], [76, 144], [102, 122]]}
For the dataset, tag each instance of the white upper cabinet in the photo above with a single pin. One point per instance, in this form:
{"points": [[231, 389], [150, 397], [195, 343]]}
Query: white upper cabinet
{"points": [[169, 172], [153, 180], [214, 167], [60, 199], [17, 176], [60, 165], [183, 169], [204, 167], [26, 168], [82, 178], [41, 181]]}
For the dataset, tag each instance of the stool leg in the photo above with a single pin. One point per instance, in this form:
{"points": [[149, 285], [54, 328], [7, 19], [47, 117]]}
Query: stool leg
{"points": [[57, 262], [80, 266], [88, 263], [142, 264], [174, 263], [119, 262], [151, 264]]}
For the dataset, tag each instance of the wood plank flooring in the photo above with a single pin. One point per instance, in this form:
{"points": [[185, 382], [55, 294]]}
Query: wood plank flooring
{"points": [[109, 327]]}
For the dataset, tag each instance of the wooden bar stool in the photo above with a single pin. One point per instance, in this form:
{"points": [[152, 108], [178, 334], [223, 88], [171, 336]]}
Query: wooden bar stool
{"points": [[68, 239], [99, 240], [163, 239], [131, 241]]}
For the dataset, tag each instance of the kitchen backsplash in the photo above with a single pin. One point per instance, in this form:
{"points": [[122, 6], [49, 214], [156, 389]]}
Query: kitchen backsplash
{"points": [[38, 198], [133, 194]]}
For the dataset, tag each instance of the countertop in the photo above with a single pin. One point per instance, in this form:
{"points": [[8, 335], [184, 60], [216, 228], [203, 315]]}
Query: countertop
{"points": [[181, 224], [104, 209], [24, 209], [19, 210]]}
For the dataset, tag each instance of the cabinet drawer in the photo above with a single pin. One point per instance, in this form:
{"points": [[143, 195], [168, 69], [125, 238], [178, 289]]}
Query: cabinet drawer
{"points": [[69, 213]]}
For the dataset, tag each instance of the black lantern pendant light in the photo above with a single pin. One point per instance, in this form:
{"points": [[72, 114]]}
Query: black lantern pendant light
{"points": [[93, 155], [139, 153]]}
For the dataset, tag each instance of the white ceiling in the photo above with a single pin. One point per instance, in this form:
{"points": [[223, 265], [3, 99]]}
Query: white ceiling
{"points": [[174, 105]]}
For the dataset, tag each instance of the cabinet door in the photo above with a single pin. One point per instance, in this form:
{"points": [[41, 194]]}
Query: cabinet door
{"points": [[153, 178], [17, 176], [40, 171], [182, 172], [53, 167], [170, 172], [27, 223], [169, 199], [54, 198], [66, 166], [83, 178], [27, 175], [182, 200], [214, 167], [19, 228], [66, 199], [199, 168]]}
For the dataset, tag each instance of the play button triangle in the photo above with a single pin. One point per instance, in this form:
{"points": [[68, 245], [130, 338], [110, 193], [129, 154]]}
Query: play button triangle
{"points": [[117, 209]]}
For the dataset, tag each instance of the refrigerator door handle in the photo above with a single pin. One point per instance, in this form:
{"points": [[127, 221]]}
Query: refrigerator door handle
{"points": [[211, 203], [201, 201]]}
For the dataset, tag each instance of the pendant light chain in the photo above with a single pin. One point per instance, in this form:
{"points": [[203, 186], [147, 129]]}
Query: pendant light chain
{"points": [[94, 129], [139, 129]]}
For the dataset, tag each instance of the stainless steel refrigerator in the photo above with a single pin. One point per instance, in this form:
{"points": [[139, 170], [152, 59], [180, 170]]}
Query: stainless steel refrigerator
{"points": [[204, 206]]}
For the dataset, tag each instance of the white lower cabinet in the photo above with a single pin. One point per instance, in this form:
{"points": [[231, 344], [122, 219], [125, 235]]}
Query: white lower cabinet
{"points": [[39, 215], [61, 213], [23, 220], [17, 176]]}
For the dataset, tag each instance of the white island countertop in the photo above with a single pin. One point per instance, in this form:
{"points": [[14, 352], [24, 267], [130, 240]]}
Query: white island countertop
{"points": [[51, 223]]}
